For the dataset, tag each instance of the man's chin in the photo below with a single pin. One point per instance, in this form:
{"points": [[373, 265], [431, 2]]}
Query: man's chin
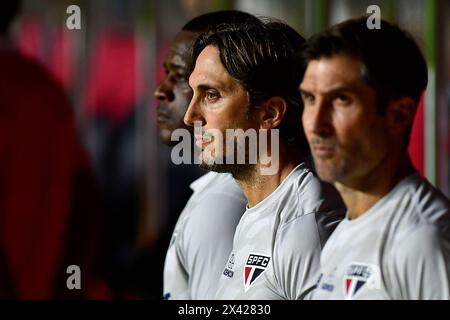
{"points": [[165, 137], [326, 174], [236, 170]]}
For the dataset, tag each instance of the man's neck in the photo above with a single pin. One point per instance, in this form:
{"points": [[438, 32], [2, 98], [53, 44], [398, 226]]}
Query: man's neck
{"points": [[257, 187], [359, 198]]}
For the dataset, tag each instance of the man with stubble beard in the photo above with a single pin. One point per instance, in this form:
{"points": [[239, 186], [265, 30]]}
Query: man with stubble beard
{"points": [[246, 78]]}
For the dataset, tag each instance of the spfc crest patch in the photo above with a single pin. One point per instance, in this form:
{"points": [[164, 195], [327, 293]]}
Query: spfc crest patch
{"points": [[255, 266], [361, 275]]}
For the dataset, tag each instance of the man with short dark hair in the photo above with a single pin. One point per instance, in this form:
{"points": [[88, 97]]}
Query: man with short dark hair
{"points": [[245, 82], [203, 235], [360, 91]]}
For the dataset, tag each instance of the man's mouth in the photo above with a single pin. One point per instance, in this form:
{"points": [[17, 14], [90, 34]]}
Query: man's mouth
{"points": [[201, 141], [323, 151], [162, 116]]}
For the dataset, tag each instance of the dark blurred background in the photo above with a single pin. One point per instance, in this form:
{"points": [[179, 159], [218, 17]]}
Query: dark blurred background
{"points": [[121, 211]]}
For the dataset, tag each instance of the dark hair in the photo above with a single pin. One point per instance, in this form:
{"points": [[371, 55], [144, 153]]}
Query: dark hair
{"points": [[212, 20], [8, 12], [392, 63], [264, 58]]}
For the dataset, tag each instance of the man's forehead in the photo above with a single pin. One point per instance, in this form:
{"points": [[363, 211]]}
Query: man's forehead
{"points": [[331, 71], [209, 69], [180, 49], [209, 57]]}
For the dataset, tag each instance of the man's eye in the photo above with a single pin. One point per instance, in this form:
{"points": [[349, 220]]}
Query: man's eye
{"points": [[343, 99], [181, 76], [211, 96], [308, 98]]}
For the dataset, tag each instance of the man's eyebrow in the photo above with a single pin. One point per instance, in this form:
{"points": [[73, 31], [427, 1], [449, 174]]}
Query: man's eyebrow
{"points": [[204, 87], [304, 91], [333, 91], [338, 90], [174, 65]]}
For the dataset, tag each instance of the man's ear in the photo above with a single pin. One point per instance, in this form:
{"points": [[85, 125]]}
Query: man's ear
{"points": [[272, 112], [400, 114]]}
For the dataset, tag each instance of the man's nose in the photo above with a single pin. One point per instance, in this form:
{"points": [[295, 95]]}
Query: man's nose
{"points": [[164, 92], [319, 120], [193, 114]]}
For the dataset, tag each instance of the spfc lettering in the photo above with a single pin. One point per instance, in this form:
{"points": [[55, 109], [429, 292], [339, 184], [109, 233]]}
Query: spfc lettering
{"points": [[359, 276], [255, 266]]}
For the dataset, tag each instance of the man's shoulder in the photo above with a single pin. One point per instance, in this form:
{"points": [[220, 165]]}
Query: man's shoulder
{"points": [[216, 198], [416, 204], [431, 205], [213, 182], [423, 249], [315, 206], [419, 222], [315, 195]]}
